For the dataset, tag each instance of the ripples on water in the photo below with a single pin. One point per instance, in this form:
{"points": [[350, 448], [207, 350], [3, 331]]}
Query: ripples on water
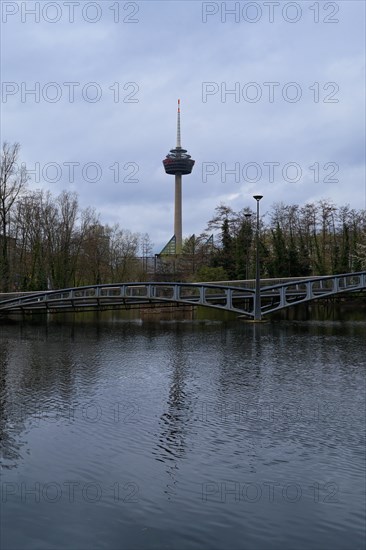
{"points": [[183, 435]]}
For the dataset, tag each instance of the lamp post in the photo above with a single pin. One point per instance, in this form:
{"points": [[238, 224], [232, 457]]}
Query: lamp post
{"points": [[248, 216], [257, 295]]}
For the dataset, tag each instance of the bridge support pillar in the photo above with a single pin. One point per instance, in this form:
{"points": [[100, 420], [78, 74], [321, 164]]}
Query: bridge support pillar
{"points": [[257, 306]]}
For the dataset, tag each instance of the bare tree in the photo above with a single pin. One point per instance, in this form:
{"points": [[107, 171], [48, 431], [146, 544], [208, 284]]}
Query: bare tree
{"points": [[123, 249], [223, 214], [12, 183]]}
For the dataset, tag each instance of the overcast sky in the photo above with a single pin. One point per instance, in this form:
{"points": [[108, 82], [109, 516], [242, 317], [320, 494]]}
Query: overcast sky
{"points": [[272, 102]]}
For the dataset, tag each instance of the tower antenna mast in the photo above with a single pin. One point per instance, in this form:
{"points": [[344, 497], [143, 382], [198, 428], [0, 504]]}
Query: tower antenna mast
{"points": [[179, 146]]}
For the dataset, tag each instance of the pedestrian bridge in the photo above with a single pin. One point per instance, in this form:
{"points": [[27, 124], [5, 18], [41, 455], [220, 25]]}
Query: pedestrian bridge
{"points": [[236, 298]]}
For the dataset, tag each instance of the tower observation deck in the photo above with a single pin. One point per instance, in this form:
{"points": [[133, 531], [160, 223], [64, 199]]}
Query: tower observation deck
{"points": [[178, 163]]}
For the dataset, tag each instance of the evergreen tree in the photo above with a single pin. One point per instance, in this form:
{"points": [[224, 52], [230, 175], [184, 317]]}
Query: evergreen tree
{"points": [[242, 250]]}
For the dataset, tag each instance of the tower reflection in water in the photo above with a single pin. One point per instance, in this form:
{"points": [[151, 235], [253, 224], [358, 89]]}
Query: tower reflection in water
{"points": [[171, 440]]}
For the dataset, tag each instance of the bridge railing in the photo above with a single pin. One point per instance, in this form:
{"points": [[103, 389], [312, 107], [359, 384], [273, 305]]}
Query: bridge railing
{"points": [[164, 289], [324, 283], [250, 283]]}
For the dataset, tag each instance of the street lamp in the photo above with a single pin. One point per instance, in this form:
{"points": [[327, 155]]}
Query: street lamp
{"points": [[248, 216], [257, 295]]}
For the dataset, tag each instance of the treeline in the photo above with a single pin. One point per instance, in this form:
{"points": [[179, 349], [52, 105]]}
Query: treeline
{"points": [[315, 239], [48, 241]]}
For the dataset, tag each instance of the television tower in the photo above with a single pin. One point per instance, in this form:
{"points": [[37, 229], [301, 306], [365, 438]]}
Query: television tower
{"points": [[178, 163]]}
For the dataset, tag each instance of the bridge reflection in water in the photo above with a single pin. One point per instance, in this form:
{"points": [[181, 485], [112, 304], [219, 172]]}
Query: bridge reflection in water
{"points": [[235, 297]]}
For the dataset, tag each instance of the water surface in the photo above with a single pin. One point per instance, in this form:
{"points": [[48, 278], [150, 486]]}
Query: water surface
{"points": [[183, 435]]}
